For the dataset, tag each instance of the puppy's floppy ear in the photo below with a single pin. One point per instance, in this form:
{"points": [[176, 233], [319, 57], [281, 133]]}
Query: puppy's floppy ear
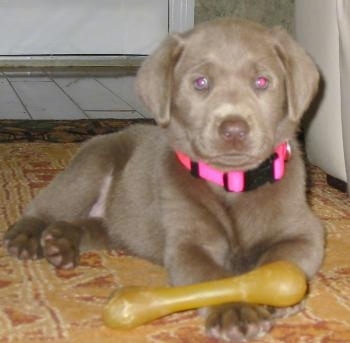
{"points": [[302, 79], [155, 77]]}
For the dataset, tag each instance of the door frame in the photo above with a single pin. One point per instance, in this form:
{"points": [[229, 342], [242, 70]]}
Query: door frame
{"points": [[181, 15]]}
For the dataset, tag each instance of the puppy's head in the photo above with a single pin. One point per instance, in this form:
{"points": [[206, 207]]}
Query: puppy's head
{"points": [[228, 91]]}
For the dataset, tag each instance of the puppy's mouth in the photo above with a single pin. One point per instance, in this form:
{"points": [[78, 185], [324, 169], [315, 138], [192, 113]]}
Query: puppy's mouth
{"points": [[234, 161], [221, 154]]}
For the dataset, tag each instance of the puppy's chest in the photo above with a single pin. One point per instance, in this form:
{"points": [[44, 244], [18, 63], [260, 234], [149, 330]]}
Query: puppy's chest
{"points": [[251, 233], [251, 221]]}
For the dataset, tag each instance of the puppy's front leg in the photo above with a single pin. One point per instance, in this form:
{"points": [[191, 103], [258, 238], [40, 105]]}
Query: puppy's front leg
{"points": [[202, 253], [60, 242], [191, 258], [241, 322], [193, 263]]}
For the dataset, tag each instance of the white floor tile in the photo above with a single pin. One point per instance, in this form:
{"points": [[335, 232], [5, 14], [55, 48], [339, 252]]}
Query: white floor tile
{"points": [[27, 93], [90, 95], [113, 115], [124, 87], [10, 106], [44, 100]]}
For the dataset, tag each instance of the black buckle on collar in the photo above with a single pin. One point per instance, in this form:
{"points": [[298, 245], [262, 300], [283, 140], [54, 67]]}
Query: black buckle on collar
{"points": [[225, 180], [194, 169], [262, 174]]}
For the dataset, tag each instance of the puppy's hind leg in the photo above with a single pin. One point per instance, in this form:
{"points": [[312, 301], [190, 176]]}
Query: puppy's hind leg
{"points": [[22, 240]]}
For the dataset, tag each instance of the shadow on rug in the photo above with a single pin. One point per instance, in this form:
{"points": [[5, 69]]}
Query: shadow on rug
{"points": [[60, 131]]}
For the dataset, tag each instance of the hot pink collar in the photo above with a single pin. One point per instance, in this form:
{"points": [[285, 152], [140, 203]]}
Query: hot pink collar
{"points": [[270, 170]]}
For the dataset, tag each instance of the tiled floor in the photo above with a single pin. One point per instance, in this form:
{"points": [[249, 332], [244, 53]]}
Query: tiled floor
{"points": [[85, 93]]}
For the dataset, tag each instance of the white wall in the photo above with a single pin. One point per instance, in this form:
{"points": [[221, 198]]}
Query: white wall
{"points": [[35, 27]]}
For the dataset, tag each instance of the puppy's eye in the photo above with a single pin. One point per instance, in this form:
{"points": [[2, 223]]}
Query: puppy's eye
{"points": [[262, 82], [201, 83]]}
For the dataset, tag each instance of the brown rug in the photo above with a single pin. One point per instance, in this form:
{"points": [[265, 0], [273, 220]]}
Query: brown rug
{"points": [[41, 304]]}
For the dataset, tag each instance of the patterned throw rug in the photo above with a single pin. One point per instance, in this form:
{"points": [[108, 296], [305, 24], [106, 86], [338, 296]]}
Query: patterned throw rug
{"points": [[41, 304]]}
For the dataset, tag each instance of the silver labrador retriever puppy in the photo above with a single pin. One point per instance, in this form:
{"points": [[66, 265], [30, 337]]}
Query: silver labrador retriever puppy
{"points": [[216, 189]]}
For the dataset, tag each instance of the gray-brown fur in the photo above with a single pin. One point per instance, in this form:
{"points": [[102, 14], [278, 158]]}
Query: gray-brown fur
{"points": [[151, 205]]}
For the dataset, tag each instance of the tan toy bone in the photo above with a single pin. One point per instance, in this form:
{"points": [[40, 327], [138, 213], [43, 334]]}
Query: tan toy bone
{"points": [[278, 284]]}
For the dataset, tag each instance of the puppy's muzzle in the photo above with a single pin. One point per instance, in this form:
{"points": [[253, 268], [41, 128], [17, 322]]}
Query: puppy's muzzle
{"points": [[234, 131]]}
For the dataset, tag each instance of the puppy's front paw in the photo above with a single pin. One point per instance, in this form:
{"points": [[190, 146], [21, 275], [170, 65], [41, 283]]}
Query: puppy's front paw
{"points": [[60, 243], [238, 322]]}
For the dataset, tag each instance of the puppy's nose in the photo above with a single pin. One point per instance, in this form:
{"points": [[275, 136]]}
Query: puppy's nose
{"points": [[234, 130]]}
